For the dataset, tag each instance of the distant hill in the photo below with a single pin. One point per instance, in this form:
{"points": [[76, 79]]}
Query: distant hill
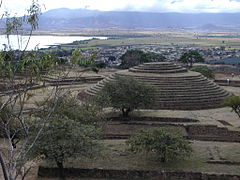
{"points": [[63, 19]]}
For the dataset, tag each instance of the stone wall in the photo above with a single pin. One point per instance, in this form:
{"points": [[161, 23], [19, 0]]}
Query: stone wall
{"points": [[212, 133], [72, 80], [149, 118], [213, 130], [225, 69], [131, 174], [223, 82]]}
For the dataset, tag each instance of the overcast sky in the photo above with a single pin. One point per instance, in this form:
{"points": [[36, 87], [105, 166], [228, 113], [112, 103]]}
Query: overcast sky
{"points": [[192, 6]]}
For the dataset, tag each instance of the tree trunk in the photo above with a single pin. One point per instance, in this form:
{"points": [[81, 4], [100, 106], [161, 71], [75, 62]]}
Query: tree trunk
{"points": [[3, 167], [163, 159], [61, 173], [125, 112], [191, 64], [128, 111], [60, 165]]}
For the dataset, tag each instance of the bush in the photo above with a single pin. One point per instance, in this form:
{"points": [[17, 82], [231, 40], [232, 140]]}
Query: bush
{"points": [[135, 57], [127, 94], [166, 146], [71, 131], [234, 103], [204, 70], [190, 57]]}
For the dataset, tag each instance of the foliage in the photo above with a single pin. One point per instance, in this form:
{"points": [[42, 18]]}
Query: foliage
{"points": [[64, 138], [78, 58], [36, 64], [191, 57], [30, 64], [14, 24], [127, 94], [135, 57], [204, 70], [88, 112], [234, 103], [62, 52], [166, 146], [20, 71], [14, 124], [73, 128], [100, 65], [16, 132]]}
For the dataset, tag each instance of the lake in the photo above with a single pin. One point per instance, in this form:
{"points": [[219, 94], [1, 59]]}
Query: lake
{"points": [[37, 42]]}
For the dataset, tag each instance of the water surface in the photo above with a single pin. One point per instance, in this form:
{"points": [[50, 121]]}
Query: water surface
{"points": [[37, 42]]}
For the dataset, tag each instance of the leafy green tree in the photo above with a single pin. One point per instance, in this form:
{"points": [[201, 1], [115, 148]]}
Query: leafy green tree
{"points": [[19, 72], [135, 57], [191, 57], [204, 70], [13, 124], [166, 146], [234, 103], [71, 131], [78, 58], [127, 94], [88, 112], [64, 138]]}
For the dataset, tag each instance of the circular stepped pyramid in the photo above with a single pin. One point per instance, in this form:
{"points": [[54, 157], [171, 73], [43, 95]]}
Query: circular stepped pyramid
{"points": [[177, 88]]}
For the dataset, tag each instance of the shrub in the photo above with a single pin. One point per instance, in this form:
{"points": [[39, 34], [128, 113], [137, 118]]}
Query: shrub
{"points": [[191, 57], [166, 146], [135, 57], [71, 131], [204, 70], [234, 103], [127, 94]]}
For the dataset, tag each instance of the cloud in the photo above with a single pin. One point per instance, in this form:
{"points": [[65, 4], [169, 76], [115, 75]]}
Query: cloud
{"points": [[15, 7], [192, 6], [196, 6]]}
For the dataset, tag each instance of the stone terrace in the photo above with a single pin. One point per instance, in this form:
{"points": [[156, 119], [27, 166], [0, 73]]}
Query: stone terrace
{"points": [[178, 89]]}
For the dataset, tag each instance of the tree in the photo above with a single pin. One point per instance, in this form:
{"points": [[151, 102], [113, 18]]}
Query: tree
{"points": [[14, 124], [166, 146], [74, 128], [234, 103], [127, 94], [191, 57], [64, 138], [135, 57], [20, 71], [78, 58], [204, 70]]}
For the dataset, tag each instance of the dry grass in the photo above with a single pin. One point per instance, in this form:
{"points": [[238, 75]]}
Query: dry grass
{"points": [[234, 90], [116, 156], [181, 38], [209, 116]]}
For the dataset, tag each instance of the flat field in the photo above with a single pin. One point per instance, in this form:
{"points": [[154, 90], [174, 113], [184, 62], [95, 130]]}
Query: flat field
{"points": [[230, 40], [116, 156]]}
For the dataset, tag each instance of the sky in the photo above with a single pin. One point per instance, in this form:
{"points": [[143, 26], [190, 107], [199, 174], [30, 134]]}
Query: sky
{"points": [[186, 6]]}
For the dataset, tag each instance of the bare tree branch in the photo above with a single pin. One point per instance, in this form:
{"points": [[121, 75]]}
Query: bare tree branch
{"points": [[2, 162]]}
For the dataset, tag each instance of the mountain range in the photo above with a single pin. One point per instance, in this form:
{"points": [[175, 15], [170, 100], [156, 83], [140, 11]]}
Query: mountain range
{"points": [[74, 19], [63, 19]]}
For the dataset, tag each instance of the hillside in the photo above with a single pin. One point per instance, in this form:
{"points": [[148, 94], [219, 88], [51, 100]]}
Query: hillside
{"points": [[64, 18]]}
